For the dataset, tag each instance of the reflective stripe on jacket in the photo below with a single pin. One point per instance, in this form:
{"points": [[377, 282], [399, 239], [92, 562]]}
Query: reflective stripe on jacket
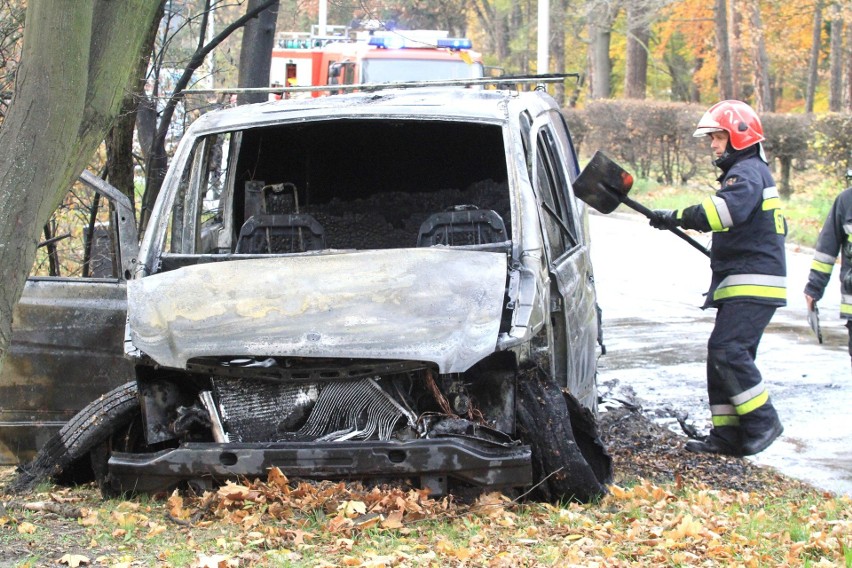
{"points": [[834, 238], [748, 258]]}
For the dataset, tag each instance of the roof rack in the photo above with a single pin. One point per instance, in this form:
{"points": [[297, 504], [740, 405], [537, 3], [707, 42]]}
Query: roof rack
{"points": [[503, 81]]}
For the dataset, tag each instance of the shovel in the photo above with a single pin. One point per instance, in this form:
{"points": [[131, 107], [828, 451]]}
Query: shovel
{"points": [[604, 185]]}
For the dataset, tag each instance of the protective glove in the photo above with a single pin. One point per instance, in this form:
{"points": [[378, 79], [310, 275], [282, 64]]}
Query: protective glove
{"points": [[664, 219]]}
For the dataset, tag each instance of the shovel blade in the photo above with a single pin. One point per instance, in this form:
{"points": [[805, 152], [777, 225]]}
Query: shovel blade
{"points": [[603, 184]]}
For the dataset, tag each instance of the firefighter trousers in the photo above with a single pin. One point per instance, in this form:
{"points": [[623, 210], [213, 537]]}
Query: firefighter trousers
{"points": [[739, 402]]}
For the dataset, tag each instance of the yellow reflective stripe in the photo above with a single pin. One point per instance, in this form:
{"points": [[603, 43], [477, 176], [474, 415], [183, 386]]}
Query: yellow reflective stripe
{"points": [[725, 420], [753, 404], [773, 203], [712, 215], [846, 309], [752, 290], [821, 266]]}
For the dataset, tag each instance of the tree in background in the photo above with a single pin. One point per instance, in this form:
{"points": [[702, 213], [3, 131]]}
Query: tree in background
{"points": [[600, 15], [11, 36], [723, 52], [158, 156], [639, 13], [75, 68], [763, 78], [813, 60], [256, 50], [835, 60]]}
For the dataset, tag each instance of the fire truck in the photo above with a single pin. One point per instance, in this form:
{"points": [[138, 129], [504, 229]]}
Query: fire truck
{"points": [[372, 57]]}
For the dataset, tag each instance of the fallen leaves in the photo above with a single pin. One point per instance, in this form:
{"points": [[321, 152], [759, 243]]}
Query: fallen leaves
{"points": [[74, 560], [26, 528]]}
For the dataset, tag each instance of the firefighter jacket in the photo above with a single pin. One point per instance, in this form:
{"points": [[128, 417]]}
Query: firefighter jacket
{"points": [[834, 239], [747, 256]]}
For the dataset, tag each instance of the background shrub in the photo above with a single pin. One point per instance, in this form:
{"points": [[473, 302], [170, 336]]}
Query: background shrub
{"points": [[654, 140]]}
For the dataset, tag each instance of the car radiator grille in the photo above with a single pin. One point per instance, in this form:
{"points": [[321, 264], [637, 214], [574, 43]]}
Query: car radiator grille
{"points": [[254, 411]]}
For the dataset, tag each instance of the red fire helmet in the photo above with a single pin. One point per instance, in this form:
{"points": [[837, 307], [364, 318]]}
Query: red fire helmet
{"points": [[736, 118]]}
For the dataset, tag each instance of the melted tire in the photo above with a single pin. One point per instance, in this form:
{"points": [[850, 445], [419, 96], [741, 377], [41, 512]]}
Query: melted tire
{"points": [[69, 448], [561, 471], [584, 425]]}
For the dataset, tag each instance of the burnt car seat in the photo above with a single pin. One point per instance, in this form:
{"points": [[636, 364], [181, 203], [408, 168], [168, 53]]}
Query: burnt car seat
{"points": [[278, 234], [275, 225], [462, 225]]}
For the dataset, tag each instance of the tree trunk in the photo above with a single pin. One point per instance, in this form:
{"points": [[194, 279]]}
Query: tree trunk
{"points": [[847, 100], [256, 51], [119, 141], [735, 25], [835, 60], [813, 62], [517, 29], [636, 64], [76, 65], [726, 89], [494, 23], [600, 64], [557, 32], [764, 101]]}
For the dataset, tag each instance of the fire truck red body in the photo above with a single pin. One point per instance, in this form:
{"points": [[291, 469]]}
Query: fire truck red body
{"points": [[381, 57]]}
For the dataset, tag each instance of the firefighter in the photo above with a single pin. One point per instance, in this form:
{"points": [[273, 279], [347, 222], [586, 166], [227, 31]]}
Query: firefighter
{"points": [[748, 282], [834, 238]]}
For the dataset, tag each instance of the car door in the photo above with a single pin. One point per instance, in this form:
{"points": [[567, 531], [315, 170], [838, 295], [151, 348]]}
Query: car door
{"points": [[572, 294], [67, 339]]}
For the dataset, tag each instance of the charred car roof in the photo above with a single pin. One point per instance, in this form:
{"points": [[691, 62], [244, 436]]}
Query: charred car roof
{"points": [[441, 103]]}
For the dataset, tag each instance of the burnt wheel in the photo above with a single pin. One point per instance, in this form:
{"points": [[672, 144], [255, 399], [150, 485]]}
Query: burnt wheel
{"points": [[66, 454], [126, 437], [561, 470]]}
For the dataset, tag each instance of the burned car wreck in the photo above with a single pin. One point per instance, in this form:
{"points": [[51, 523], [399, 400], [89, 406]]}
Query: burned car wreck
{"points": [[387, 285]]}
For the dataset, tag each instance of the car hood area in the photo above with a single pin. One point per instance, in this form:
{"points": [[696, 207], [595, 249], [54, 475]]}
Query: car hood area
{"points": [[438, 305]]}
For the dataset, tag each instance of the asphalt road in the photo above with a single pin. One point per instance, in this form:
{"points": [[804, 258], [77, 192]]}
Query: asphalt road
{"points": [[650, 287]]}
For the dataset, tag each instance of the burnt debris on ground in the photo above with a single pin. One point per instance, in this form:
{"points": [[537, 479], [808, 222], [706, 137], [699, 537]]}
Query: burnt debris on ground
{"points": [[641, 448]]}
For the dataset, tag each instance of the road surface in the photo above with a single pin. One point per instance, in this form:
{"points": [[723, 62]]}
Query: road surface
{"points": [[650, 287]]}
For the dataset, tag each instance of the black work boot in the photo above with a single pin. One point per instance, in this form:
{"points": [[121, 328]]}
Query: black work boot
{"points": [[759, 429], [722, 440]]}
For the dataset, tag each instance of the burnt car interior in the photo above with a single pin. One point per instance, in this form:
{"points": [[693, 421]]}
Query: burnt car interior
{"points": [[352, 184]]}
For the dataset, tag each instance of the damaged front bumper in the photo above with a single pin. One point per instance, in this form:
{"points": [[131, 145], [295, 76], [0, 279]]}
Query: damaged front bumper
{"points": [[432, 462]]}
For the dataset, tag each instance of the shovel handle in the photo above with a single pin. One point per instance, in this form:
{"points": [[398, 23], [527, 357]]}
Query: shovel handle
{"points": [[650, 215]]}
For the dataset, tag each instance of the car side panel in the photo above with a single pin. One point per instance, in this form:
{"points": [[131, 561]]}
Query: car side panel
{"points": [[66, 350]]}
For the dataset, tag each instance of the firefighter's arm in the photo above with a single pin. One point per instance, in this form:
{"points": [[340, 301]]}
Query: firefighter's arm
{"points": [[830, 240], [730, 206]]}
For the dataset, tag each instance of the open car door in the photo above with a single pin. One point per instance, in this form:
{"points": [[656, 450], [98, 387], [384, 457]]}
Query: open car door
{"points": [[67, 338]]}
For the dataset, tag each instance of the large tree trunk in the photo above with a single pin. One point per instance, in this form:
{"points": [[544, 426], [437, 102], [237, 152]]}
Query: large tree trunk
{"points": [[813, 62], [256, 51], [636, 64], [723, 52], [75, 69], [835, 61]]}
